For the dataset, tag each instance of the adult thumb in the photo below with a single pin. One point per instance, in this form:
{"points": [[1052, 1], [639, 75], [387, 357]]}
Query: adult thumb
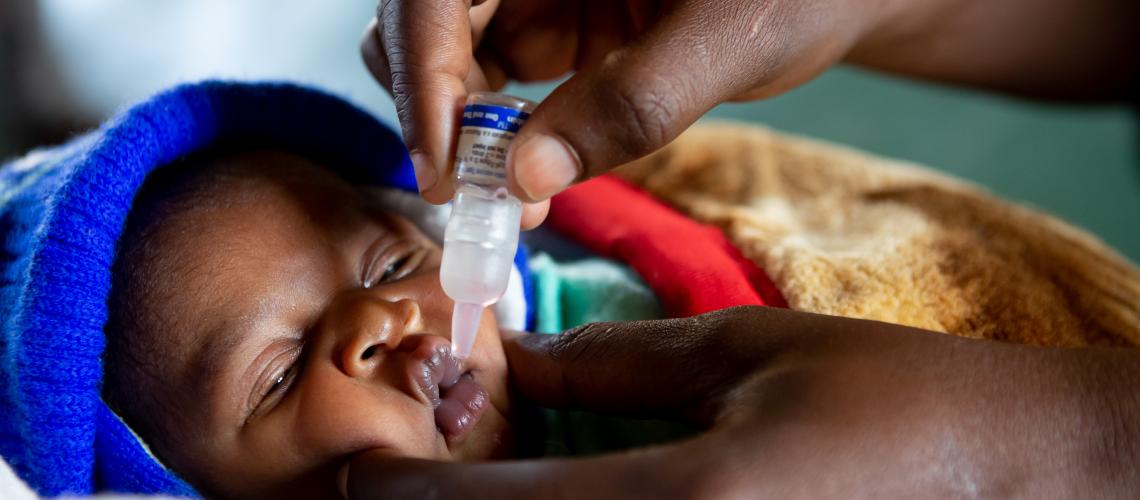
{"points": [[636, 100]]}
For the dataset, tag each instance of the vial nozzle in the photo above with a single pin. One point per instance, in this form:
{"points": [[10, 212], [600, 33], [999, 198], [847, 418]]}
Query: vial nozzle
{"points": [[464, 325]]}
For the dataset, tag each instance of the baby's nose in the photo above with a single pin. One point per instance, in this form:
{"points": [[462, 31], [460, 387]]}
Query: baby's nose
{"points": [[367, 327]]}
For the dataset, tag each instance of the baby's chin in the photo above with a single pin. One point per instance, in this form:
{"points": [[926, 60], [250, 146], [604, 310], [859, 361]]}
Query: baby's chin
{"points": [[489, 435], [490, 438]]}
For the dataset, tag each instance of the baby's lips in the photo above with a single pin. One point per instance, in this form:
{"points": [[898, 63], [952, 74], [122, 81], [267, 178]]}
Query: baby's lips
{"points": [[460, 408], [431, 365], [455, 397]]}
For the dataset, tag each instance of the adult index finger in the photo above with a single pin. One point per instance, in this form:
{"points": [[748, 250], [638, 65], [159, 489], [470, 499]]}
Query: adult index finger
{"points": [[427, 47], [674, 368]]}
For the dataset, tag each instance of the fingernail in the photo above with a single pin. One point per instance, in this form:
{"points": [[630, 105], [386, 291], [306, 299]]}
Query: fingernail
{"points": [[342, 481], [425, 171], [543, 166]]}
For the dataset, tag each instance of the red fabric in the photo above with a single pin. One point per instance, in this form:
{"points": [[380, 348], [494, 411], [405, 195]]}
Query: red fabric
{"points": [[691, 266]]}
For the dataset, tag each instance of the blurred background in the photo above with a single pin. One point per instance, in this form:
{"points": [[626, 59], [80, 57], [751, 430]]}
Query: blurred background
{"points": [[65, 65]]}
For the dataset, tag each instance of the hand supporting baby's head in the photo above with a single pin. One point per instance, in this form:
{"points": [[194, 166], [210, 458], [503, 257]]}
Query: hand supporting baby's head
{"points": [[268, 320]]}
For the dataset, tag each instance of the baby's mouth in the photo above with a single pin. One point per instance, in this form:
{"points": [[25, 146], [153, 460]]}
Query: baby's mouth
{"points": [[457, 399], [460, 405]]}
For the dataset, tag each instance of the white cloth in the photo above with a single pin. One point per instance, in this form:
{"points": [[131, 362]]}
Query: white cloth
{"points": [[11, 486]]}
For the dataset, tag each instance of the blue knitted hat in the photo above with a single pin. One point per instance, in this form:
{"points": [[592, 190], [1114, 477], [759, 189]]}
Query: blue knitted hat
{"points": [[62, 211]]}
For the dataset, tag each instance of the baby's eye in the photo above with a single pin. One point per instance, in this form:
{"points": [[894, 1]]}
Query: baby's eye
{"points": [[281, 380], [392, 264], [275, 390], [393, 268]]}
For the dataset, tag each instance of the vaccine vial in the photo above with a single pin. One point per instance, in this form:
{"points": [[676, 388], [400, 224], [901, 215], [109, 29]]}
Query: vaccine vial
{"points": [[482, 234]]}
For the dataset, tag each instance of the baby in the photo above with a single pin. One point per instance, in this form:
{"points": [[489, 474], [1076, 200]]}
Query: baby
{"points": [[279, 321]]}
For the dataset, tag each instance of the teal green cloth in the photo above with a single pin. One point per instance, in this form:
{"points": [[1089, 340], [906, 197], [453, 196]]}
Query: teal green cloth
{"points": [[587, 291], [568, 294]]}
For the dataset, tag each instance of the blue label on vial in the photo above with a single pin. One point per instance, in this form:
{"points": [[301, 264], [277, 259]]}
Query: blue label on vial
{"points": [[495, 117]]}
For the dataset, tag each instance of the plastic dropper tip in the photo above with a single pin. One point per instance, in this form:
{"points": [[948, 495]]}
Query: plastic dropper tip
{"points": [[464, 325]]}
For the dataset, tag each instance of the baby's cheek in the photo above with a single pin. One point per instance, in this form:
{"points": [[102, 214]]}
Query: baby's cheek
{"points": [[490, 362], [295, 450], [337, 424]]}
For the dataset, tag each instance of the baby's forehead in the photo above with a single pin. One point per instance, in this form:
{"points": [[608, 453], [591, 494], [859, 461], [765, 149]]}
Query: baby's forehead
{"points": [[225, 238]]}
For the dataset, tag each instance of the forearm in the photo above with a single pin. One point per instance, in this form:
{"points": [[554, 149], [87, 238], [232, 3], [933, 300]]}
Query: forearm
{"points": [[989, 417], [1042, 422], [1044, 48], [1037, 422], [1089, 424]]}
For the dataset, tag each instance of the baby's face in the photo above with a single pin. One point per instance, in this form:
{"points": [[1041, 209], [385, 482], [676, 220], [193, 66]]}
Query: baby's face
{"points": [[305, 325]]}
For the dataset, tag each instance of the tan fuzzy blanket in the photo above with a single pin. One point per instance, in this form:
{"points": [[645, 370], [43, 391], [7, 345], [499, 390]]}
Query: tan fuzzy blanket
{"points": [[846, 233]]}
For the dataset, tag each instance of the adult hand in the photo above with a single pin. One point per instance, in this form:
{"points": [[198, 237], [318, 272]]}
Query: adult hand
{"points": [[648, 69], [798, 405]]}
